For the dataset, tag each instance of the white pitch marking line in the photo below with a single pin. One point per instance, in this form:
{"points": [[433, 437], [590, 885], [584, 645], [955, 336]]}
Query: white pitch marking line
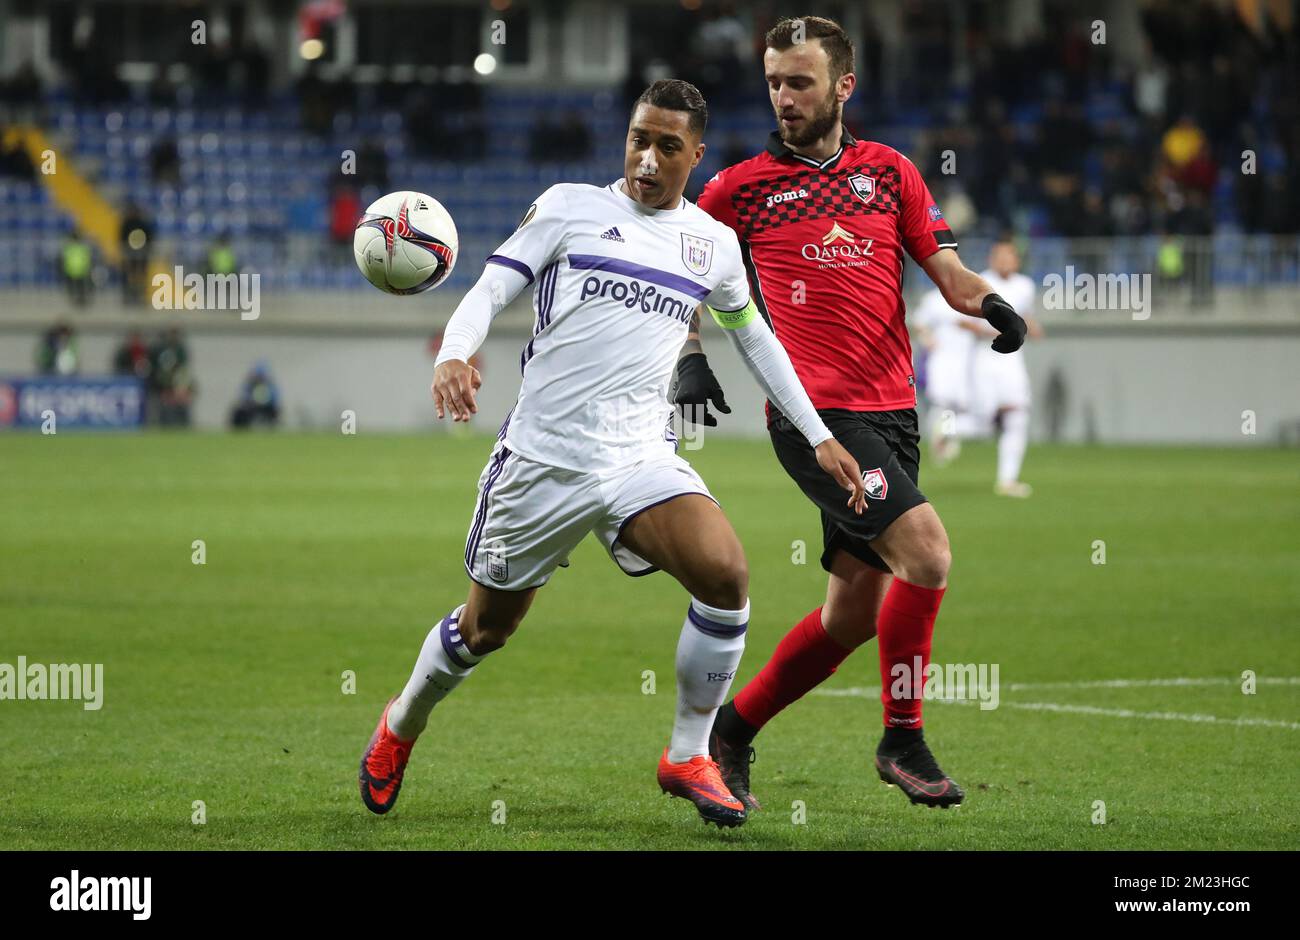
{"points": [[1148, 683], [874, 692], [1157, 716], [870, 690]]}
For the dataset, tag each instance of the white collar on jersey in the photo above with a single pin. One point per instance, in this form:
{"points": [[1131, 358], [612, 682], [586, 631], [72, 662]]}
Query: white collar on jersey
{"points": [[617, 188], [778, 148]]}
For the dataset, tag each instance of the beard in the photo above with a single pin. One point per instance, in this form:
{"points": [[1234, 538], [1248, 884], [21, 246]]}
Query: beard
{"points": [[818, 126]]}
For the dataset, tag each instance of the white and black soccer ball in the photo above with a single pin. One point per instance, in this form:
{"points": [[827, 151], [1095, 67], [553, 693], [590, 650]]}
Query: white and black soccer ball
{"points": [[405, 243]]}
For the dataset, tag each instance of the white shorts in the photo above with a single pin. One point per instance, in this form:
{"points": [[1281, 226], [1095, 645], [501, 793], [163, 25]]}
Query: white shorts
{"points": [[1000, 381], [947, 381], [529, 516]]}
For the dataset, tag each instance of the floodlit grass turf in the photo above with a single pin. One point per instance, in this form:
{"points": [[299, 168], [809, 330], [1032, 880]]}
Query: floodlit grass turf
{"points": [[333, 553]]}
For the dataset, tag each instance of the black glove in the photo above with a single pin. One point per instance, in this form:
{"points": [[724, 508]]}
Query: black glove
{"points": [[1011, 328], [695, 384]]}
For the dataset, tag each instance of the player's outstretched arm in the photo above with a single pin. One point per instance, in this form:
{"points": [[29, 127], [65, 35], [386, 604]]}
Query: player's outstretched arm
{"points": [[968, 293], [1033, 329], [771, 367], [694, 384], [455, 381]]}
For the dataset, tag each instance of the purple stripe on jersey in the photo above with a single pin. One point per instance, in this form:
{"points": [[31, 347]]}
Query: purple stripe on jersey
{"points": [[450, 642], [641, 272], [542, 306], [476, 530], [545, 297], [540, 323], [511, 263], [501, 435], [712, 627], [550, 293], [546, 301]]}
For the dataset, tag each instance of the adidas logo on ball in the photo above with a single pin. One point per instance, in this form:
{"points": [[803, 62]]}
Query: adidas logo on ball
{"points": [[405, 243]]}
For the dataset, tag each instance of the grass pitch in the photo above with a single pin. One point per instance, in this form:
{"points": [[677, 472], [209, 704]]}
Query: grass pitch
{"points": [[223, 681]]}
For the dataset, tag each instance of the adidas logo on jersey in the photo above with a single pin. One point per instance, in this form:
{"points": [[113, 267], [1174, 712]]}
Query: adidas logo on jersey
{"points": [[613, 235]]}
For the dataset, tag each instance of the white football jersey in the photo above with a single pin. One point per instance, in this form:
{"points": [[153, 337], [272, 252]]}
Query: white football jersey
{"points": [[615, 285], [943, 322], [948, 363], [1017, 290]]}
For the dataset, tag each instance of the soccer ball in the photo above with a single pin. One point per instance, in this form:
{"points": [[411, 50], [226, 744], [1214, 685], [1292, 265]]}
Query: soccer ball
{"points": [[405, 243]]}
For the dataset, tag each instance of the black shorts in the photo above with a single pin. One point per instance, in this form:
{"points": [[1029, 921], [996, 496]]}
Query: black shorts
{"points": [[886, 445]]}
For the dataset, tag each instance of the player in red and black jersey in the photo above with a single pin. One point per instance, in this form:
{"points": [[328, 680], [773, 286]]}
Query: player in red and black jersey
{"points": [[823, 220]]}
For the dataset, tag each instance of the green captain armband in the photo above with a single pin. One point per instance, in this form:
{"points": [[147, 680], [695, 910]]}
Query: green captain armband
{"points": [[734, 319]]}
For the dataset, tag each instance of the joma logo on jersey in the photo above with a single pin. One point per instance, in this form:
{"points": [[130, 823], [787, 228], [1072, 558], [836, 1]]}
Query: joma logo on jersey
{"points": [[787, 196], [635, 294], [839, 246]]}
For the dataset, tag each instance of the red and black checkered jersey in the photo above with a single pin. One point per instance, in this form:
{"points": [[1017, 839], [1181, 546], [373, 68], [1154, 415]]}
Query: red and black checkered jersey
{"points": [[823, 243]]}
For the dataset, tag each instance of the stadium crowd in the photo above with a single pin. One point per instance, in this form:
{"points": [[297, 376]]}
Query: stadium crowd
{"points": [[1053, 133]]}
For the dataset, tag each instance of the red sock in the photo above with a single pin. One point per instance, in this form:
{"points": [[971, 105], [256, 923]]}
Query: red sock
{"points": [[904, 629], [805, 657]]}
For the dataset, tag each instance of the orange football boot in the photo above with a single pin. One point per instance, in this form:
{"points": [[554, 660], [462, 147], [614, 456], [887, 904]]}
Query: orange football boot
{"points": [[382, 766], [700, 781]]}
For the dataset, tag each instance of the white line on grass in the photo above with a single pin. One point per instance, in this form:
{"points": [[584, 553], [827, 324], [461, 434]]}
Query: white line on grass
{"points": [[1158, 716], [870, 690], [874, 692], [1148, 683]]}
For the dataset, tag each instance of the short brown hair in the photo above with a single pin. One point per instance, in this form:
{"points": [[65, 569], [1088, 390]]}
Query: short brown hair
{"points": [[836, 42], [677, 95]]}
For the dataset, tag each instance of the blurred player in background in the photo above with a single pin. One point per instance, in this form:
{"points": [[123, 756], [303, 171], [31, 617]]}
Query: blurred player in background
{"points": [[950, 352], [1000, 383], [588, 448], [823, 220]]}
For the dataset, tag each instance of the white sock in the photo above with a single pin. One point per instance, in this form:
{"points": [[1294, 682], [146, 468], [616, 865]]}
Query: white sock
{"points": [[1011, 444], [708, 653], [444, 663]]}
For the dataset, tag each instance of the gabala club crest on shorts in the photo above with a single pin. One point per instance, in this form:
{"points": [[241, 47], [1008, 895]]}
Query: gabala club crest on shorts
{"points": [[697, 253], [864, 187], [875, 483]]}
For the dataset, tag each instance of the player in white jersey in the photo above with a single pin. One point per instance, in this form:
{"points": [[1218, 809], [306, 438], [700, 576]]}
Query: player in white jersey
{"points": [[950, 352], [619, 275], [1001, 381]]}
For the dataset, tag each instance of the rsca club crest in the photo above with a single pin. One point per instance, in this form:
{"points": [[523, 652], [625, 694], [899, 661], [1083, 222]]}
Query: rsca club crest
{"points": [[864, 187], [498, 568], [697, 253]]}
